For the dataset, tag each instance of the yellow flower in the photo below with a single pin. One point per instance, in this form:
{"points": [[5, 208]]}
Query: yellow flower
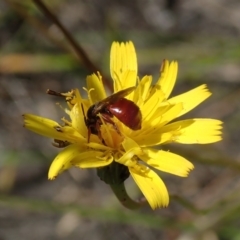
{"points": [[133, 150]]}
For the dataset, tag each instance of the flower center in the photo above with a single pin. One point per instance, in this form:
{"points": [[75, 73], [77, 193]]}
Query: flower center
{"points": [[111, 137]]}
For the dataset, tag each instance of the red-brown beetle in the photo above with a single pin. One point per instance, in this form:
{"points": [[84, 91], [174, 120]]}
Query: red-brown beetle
{"points": [[116, 105]]}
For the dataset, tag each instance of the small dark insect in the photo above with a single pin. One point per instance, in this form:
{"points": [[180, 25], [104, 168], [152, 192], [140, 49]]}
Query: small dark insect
{"points": [[60, 143], [116, 105]]}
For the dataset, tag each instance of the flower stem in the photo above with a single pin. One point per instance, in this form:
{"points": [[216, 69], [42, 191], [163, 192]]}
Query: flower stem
{"points": [[123, 197]]}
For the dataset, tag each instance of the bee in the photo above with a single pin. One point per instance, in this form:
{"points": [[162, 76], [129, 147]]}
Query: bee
{"points": [[126, 111]]}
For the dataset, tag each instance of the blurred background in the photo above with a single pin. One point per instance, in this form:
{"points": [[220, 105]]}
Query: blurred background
{"points": [[203, 36]]}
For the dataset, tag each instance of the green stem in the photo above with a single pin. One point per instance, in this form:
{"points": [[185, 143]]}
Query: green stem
{"points": [[123, 197]]}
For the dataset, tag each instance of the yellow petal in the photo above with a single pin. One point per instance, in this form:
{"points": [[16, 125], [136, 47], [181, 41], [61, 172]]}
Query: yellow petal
{"points": [[40, 125], [129, 144], [167, 162], [51, 129], [127, 80], [63, 160], [155, 123], [97, 146], [168, 77], [170, 115], [76, 115], [152, 139], [159, 115], [142, 92], [92, 159], [196, 130], [123, 58], [152, 187], [128, 159], [191, 98], [95, 82], [71, 135], [152, 104], [133, 148], [43, 126]]}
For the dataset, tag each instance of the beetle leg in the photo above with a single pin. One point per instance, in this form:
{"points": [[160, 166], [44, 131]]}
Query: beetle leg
{"points": [[98, 125], [108, 119]]}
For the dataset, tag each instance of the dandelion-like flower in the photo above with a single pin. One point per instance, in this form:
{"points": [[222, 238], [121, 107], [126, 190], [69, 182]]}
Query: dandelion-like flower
{"points": [[113, 146]]}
